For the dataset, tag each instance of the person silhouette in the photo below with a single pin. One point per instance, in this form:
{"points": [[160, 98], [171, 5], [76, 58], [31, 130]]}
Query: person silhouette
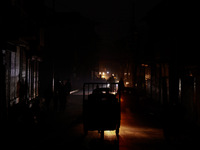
{"points": [[121, 85]]}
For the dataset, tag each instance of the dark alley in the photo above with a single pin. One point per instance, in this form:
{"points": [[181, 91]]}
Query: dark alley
{"points": [[91, 75], [64, 128]]}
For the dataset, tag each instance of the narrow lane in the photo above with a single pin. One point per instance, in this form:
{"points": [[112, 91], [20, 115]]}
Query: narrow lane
{"points": [[65, 129]]}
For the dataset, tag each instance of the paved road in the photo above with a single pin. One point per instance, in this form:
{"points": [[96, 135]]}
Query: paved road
{"points": [[64, 129]]}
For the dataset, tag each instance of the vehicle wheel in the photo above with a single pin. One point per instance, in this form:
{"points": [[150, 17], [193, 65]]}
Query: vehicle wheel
{"points": [[117, 132]]}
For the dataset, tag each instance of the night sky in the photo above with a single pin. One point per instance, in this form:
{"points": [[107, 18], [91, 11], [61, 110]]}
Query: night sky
{"points": [[115, 18]]}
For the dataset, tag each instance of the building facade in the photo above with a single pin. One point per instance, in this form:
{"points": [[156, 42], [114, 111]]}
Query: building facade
{"points": [[21, 44], [167, 65]]}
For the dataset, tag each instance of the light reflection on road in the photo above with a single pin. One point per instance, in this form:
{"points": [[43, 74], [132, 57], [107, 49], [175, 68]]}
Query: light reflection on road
{"points": [[130, 129], [132, 134]]}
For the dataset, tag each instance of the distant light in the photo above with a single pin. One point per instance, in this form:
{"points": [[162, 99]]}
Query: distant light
{"points": [[114, 93], [107, 72], [147, 76], [99, 72], [127, 82], [103, 73], [144, 65]]}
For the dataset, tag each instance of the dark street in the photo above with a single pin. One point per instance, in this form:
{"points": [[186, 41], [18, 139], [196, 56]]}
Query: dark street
{"points": [[139, 130], [91, 75]]}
